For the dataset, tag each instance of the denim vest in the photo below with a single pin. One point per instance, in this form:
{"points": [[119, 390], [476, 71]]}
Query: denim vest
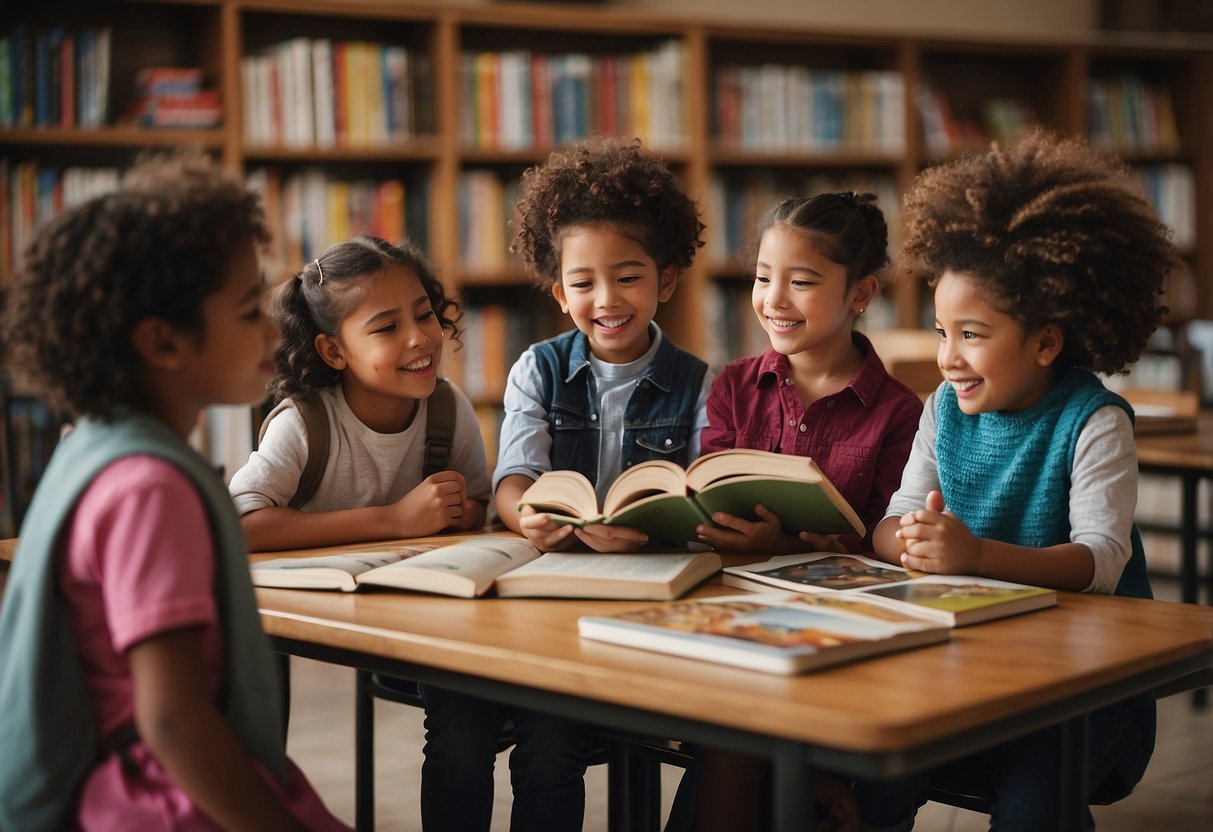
{"points": [[660, 412]]}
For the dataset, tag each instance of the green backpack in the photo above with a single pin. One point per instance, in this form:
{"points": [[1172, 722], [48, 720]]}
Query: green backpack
{"points": [[439, 430]]}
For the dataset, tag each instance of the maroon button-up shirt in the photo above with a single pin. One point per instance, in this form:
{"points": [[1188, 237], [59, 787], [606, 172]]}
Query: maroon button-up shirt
{"points": [[860, 437]]}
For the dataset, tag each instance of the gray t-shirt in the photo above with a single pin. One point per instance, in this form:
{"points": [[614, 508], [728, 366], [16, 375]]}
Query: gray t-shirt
{"points": [[526, 444], [1103, 487], [364, 468]]}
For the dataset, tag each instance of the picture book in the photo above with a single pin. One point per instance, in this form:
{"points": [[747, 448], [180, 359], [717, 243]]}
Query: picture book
{"points": [[510, 565], [955, 600], [775, 633], [667, 502]]}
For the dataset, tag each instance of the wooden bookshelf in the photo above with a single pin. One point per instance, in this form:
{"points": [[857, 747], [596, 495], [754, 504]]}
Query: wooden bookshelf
{"points": [[986, 83]]}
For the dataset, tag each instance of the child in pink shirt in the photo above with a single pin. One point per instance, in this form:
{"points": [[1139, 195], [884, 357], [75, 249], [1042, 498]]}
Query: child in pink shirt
{"points": [[129, 588]]}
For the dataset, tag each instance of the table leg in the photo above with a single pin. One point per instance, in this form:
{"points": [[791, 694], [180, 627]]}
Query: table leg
{"points": [[1073, 785], [792, 807], [1190, 570], [364, 753]]}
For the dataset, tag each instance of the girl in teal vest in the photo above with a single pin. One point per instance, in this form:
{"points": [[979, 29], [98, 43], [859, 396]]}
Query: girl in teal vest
{"points": [[137, 688], [1048, 267]]}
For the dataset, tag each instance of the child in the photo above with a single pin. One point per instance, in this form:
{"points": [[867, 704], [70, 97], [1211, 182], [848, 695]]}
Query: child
{"points": [[362, 332], [138, 689], [820, 390], [607, 229], [1048, 266]]}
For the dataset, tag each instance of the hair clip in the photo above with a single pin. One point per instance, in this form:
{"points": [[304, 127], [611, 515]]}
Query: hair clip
{"points": [[321, 281], [848, 197]]}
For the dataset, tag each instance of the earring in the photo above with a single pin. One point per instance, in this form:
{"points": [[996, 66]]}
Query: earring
{"points": [[861, 310]]}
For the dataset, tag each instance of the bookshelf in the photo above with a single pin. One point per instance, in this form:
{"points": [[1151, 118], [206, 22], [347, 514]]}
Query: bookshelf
{"points": [[741, 112]]}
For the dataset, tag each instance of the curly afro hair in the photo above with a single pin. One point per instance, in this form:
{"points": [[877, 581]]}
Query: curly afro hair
{"points": [[155, 248], [606, 181], [1053, 234]]}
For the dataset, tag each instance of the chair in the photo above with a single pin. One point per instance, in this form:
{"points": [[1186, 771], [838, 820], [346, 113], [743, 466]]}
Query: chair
{"points": [[633, 762], [909, 355]]}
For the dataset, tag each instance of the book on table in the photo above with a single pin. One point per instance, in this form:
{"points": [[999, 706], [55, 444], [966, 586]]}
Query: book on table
{"points": [[510, 565], [955, 600], [667, 502], [775, 633]]}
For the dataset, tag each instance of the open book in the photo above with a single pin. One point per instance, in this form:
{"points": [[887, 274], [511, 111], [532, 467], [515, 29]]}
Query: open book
{"points": [[774, 633], [483, 562], [667, 502], [954, 600]]}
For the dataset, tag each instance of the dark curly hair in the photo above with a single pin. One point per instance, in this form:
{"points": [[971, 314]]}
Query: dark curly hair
{"points": [[303, 307], [1053, 234], [849, 228], [608, 181], [154, 248]]}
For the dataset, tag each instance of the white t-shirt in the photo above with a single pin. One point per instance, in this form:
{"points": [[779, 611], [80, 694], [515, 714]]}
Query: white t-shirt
{"points": [[364, 467]]}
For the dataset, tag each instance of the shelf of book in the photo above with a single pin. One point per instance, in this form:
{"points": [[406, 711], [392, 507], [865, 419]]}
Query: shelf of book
{"points": [[744, 114]]}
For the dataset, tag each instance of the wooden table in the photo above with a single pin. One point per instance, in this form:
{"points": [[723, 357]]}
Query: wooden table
{"points": [[884, 717], [1189, 456]]}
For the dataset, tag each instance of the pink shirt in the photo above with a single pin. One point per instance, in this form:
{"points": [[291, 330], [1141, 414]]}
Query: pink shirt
{"points": [[139, 561], [860, 436]]}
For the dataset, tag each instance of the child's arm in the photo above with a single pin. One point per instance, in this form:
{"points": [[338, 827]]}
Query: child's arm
{"points": [[440, 502], [935, 541], [187, 734]]}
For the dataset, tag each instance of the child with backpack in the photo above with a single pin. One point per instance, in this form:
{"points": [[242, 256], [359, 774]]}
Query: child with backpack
{"points": [[366, 442]]}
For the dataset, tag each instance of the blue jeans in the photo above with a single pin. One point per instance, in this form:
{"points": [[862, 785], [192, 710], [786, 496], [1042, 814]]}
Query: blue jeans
{"points": [[462, 738], [1024, 773]]}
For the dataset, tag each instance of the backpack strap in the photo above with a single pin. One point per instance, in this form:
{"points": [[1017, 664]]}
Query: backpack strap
{"points": [[439, 429], [316, 431]]}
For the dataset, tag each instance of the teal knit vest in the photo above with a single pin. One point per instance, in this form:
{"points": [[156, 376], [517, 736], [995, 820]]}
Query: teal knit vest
{"points": [[1006, 475], [48, 732]]}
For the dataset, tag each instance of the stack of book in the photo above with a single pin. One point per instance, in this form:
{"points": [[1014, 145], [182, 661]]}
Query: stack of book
{"points": [[173, 97]]}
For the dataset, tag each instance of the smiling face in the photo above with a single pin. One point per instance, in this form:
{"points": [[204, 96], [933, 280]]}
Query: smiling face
{"points": [[987, 356], [387, 349], [801, 297], [611, 287]]}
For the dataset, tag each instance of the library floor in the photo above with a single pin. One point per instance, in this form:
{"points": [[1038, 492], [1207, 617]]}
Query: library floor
{"points": [[1176, 794]]}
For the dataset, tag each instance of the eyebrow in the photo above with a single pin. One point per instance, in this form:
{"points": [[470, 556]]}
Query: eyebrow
{"points": [[622, 264], [806, 269], [387, 313], [968, 322], [253, 293]]}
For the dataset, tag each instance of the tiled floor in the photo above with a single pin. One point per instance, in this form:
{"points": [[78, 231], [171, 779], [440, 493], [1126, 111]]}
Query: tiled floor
{"points": [[1176, 794]]}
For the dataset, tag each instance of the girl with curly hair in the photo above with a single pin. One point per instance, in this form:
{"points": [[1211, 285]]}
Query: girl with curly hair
{"points": [[607, 229], [138, 689], [1048, 267], [363, 328]]}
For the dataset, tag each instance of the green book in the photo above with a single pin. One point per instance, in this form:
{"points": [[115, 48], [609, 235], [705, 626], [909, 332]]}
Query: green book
{"points": [[667, 502]]}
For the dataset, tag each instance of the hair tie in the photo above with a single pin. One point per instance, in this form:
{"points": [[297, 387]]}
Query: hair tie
{"points": [[321, 281], [848, 197]]}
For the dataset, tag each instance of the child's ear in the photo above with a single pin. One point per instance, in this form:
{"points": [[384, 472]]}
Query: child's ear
{"points": [[667, 281], [159, 344], [558, 294], [1049, 341], [330, 351], [862, 293]]}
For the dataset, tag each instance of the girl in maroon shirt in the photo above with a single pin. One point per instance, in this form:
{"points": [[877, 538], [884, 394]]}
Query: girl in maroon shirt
{"points": [[820, 390]]}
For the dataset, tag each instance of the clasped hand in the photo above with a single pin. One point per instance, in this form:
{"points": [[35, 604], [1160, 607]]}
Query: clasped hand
{"points": [[935, 541], [548, 536]]}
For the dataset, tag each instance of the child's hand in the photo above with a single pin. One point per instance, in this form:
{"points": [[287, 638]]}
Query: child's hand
{"points": [[935, 541], [839, 811], [602, 538], [543, 534], [438, 502], [740, 535]]}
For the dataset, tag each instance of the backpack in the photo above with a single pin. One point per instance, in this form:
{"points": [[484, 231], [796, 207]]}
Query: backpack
{"points": [[439, 429]]}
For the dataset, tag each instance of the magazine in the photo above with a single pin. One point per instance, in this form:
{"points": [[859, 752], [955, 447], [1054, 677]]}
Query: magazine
{"points": [[956, 600]]}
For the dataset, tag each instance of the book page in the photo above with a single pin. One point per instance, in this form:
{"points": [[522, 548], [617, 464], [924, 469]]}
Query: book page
{"points": [[464, 569], [659, 567], [656, 476], [750, 462], [353, 564], [566, 493]]}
